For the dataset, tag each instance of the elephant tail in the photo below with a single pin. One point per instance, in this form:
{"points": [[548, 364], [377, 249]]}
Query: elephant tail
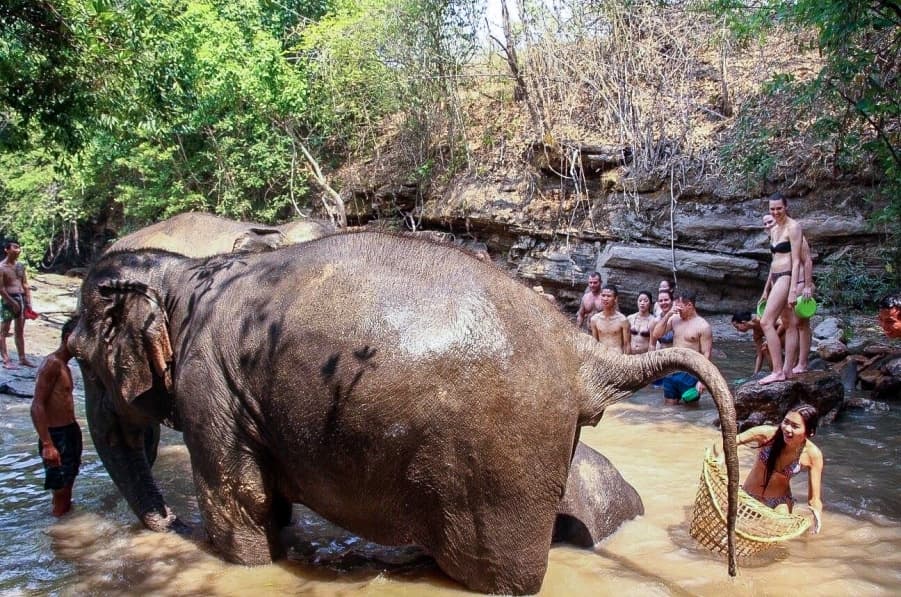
{"points": [[610, 377]]}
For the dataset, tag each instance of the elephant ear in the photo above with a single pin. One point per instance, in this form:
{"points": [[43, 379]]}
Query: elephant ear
{"points": [[136, 333]]}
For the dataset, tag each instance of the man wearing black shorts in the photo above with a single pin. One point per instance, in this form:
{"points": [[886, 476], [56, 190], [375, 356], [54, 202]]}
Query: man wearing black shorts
{"points": [[53, 415]]}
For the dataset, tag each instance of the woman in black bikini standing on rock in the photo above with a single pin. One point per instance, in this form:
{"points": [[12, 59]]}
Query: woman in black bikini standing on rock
{"points": [[781, 292]]}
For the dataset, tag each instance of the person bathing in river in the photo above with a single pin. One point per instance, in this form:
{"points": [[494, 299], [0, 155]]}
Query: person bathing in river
{"points": [[610, 327], [785, 451], [664, 286], [16, 301], [890, 315], [662, 340], [781, 290], [53, 415], [591, 301], [744, 321], [692, 331], [641, 324]]}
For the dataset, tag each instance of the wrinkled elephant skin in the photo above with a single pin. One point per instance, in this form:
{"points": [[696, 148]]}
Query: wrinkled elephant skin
{"points": [[365, 364], [597, 500]]}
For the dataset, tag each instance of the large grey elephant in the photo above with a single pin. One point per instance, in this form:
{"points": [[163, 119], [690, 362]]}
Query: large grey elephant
{"points": [[402, 389], [197, 234]]}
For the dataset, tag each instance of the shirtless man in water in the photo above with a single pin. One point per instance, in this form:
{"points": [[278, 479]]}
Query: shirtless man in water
{"points": [[53, 415], [591, 300], [610, 327], [16, 297], [690, 330]]}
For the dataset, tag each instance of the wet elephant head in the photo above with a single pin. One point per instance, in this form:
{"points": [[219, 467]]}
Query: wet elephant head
{"points": [[400, 388]]}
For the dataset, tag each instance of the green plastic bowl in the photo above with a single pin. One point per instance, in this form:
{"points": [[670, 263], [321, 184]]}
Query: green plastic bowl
{"points": [[761, 307], [805, 308], [690, 395]]}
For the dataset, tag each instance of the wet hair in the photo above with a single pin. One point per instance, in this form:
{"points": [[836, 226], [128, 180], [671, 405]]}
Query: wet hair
{"points": [[810, 417], [687, 296], [669, 293], [778, 196], [741, 317], [68, 327], [594, 275], [9, 242], [612, 288], [891, 301], [647, 294]]}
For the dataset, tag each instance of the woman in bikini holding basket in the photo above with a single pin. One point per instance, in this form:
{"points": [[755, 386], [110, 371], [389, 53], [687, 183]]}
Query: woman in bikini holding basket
{"points": [[781, 291]]}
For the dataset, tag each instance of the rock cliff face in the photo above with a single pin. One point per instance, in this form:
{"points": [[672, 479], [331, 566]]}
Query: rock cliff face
{"points": [[567, 213]]}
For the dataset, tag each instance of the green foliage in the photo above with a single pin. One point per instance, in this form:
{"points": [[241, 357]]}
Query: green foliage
{"points": [[846, 284], [850, 110], [117, 114]]}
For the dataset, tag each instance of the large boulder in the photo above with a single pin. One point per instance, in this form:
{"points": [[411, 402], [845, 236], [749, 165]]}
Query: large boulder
{"points": [[756, 404], [596, 502]]}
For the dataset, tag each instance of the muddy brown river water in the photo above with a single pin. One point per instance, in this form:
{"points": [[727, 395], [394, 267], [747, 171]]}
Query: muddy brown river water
{"points": [[101, 549]]}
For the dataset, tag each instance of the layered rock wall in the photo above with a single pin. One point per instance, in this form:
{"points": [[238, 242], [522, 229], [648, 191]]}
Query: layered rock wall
{"points": [[566, 214]]}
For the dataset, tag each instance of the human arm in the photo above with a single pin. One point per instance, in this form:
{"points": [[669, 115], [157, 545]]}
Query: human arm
{"points": [[595, 333], [768, 286], [807, 263], [796, 239], [26, 289], [663, 325], [758, 436], [47, 378], [580, 316], [814, 485], [626, 337]]}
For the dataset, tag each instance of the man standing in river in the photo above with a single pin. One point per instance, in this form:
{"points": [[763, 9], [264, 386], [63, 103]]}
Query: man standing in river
{"points": [[53, 415], [690, 330], [610, 327], [591, 300], [16, 298]]}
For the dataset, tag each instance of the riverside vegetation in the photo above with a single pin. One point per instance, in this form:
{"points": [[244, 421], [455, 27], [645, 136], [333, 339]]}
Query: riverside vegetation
{"points": [[116, 115]]}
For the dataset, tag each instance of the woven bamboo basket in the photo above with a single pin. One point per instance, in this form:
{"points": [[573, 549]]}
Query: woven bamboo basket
{"points": [[757, 527]]}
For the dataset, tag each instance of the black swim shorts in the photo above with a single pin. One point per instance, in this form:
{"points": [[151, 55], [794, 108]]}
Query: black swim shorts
{"points": [[67, 440]]}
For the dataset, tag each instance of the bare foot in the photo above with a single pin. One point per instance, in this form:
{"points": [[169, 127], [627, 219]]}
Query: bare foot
{"points": [[10, 366], [772, 378], [27, 363], [799, 369]]}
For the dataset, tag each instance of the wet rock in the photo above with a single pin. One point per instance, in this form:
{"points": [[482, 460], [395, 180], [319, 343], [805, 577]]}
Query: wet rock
{"points": [[847, 370], [832, 350], [893, 367], [822, 389], [829, 330], [596, 502], [17, 387]]}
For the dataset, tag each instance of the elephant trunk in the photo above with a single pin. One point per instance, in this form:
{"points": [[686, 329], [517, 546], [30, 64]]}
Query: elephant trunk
{"points": [[128, 452], [611, 377]]}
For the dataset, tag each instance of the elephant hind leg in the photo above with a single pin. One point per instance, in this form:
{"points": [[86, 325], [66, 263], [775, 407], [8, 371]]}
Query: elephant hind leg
{"points": [[505, 553]]}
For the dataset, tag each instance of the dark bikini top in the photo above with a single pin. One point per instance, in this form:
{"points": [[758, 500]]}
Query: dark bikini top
{"points": [[783, 247], [789, 471], [635, 332], [667, 338]]}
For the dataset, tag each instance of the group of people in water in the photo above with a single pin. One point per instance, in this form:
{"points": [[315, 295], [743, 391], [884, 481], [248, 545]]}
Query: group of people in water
{"points": [[672, 320]]}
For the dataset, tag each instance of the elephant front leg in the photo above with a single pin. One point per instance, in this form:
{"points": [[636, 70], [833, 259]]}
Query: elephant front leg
{"points": [[241, 513]]}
